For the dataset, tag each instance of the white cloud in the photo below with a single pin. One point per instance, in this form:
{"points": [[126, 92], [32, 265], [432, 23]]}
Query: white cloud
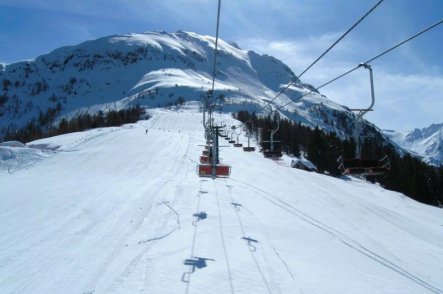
{"points": [[297, 54], [403, 101]]}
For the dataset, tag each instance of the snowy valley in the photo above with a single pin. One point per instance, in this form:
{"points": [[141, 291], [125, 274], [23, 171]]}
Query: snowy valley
{"points": [[115, 210]]}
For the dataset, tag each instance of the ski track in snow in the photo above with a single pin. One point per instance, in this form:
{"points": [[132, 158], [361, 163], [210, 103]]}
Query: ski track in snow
{"points": [[257, 219], [222, 236], [112, 211], [346, 240]]}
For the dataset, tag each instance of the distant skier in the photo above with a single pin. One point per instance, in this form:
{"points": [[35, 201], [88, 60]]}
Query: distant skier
{"points": [[146, 131]]}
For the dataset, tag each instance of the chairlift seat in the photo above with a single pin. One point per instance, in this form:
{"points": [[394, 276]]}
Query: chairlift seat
{"points": [[205, 159], [272, 154], [368, 171], [231, 141], [221, 170], [366, 167], [238, 145], [248, 149], [364, 163]]}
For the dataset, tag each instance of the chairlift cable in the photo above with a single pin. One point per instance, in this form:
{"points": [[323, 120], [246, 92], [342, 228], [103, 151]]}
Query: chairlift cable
{"points": [[214, 68], [344, 35], [330, 47], [405, 41], [368, 61]]}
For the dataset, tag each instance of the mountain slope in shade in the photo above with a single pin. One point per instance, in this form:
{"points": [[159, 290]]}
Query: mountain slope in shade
{"points": [[426, 142]]}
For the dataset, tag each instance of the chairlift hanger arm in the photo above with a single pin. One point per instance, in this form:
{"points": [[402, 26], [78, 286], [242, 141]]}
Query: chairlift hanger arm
{"points": [[370, 60], [363, 111], [277, 118]]}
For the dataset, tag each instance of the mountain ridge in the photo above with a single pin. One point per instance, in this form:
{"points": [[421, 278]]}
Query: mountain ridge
{"points": [[158, 69], [426, 142], [110, 69]]}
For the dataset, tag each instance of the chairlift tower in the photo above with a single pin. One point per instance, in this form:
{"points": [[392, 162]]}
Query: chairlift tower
{"points": [[212, 166]]}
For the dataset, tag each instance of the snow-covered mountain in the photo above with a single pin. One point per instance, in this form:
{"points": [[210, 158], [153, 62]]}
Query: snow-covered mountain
{"points": [[116, 210], [426, 142], [156, 69]]}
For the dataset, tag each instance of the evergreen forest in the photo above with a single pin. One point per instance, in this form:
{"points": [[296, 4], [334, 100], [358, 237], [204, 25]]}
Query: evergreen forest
{"points": [[408, 175]]}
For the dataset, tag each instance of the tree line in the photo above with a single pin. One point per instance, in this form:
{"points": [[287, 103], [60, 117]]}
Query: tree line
{"points": [[408, 175], [44, 127]]}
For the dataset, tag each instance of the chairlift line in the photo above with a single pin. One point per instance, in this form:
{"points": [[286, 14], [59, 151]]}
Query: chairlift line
{"points": [[214, 68], [344, 35], [407, 40], [210, 165], [367, 62], [327, 50]]}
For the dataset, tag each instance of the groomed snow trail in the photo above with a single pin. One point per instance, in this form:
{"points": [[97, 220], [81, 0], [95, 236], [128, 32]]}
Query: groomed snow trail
{"points": [[113, 211]]}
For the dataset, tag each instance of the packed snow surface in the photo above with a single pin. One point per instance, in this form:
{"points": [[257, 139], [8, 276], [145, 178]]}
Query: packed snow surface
{"points": [[121, 210]]}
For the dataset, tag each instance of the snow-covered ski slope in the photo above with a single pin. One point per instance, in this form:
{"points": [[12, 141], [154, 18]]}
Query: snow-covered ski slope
{"points": [[112, 211]]}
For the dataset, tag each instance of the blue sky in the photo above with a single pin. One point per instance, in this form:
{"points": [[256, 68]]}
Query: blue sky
{"points": [[408, 81]]}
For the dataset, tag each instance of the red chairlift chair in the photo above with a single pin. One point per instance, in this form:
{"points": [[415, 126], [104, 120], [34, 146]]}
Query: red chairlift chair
{"points": [[209, 163], [221, 170]]}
